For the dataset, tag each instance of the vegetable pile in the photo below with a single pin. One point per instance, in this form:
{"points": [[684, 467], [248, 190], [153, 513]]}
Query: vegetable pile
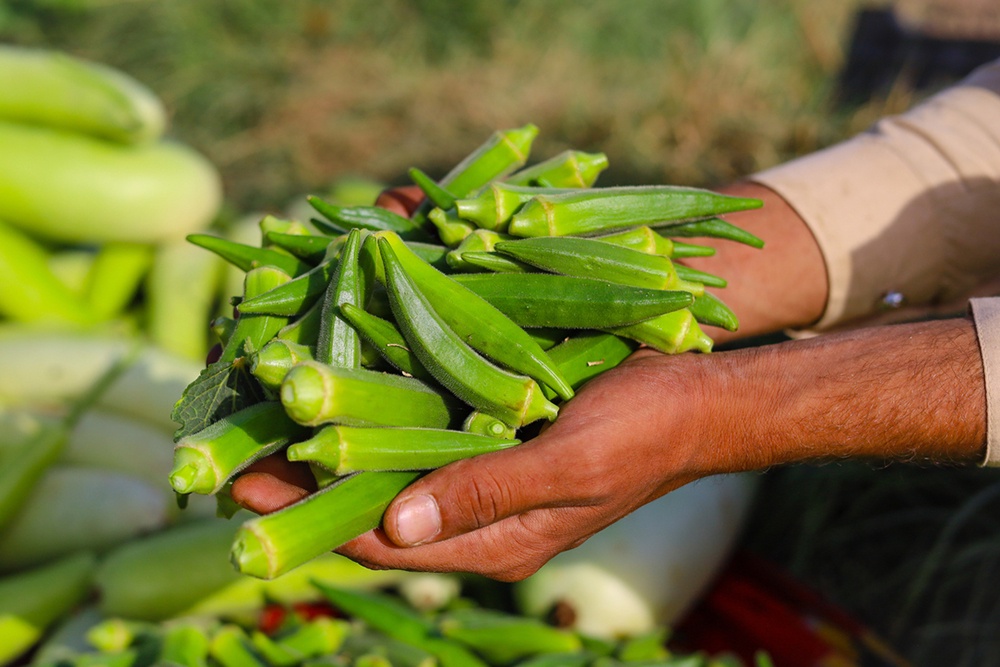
{"points": [[375, 347]]}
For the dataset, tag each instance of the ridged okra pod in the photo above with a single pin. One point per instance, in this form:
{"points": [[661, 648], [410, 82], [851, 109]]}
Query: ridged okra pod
{"points": [[339, 343], [371, 218], [597, 210], [498, 202], [571, 302], [252, 329], [315, 393], [295, 296], [713, 228], [671, 333], [488, 425], [474, 320], [271, 364], [504, 152], [387, 340], [303, 329], [690, 275], [204, 461], [310, 248], [651, 242], [495, 262], [516, 399], [451, 229], [504, 638], [480, 240], [270, 545], [710, 309], [436, 195], [589, 354], [348, 449], [246, 257], [230, 647], [591, 258], [569, 169]]}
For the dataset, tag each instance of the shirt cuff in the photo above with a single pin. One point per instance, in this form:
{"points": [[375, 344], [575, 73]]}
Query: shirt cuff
{"points": [[986, 316]]}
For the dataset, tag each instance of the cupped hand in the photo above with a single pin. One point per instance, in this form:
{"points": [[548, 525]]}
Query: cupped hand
{"points": [[628, 437]]}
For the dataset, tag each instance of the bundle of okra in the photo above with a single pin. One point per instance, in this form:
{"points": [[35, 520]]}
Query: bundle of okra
{"points": [[376, 347]]}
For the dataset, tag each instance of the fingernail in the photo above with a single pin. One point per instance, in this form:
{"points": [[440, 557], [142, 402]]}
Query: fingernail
{"points": [[418, 520]]}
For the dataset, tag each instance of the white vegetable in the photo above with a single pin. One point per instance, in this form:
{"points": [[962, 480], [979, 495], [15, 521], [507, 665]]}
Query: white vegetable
{"points": [[648, 568]]}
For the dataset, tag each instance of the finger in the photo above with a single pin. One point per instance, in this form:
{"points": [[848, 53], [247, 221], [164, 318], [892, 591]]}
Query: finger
{"points": [[402, 200], [264, 493], [470, 494]]}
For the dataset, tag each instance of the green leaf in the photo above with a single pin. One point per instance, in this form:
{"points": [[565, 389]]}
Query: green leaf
{"points": [[220, 390]]}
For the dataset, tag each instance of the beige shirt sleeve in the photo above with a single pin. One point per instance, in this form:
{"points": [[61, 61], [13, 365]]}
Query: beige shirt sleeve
{"points": [[911, 209]]}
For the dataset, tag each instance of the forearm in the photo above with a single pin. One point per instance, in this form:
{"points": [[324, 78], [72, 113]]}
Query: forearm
{"points": [[901, 392]]}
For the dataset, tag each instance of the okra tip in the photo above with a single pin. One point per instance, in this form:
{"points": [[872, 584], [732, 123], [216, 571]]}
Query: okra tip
{"points": [[193, 472], [303, 393], [249, 555]]}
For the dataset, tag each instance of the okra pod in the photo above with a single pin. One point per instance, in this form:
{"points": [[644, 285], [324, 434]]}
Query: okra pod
{"points": [[591, 258], [713, 228], [501, 154], [314, 394], [310, 248], [271, 364], [204, 461], [497, 203], [304, 329], [372, 218], [710, 309], [569, 169], [252, 329], [271, 545], [451, 229], [44, 593], [339, 343], [231, 647], [495, 262], [695, 276], [671, 333], [347, 449], [246, 257], [387, 341], [480, 240], [436, 195], [475, 321], [184, 644], [570, 302], [504, 638], [516, 399], [649, 241], [589, 354], [295, 296], [605, 209]]}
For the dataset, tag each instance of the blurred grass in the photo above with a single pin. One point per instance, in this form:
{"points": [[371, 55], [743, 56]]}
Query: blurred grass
{"points": [[286, 97]]}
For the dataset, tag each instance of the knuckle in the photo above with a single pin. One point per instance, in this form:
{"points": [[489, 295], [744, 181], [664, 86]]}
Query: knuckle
{"points": [[485, 498]]}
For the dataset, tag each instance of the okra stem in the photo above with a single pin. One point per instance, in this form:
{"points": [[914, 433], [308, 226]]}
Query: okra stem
{"points": [[569, 169]]}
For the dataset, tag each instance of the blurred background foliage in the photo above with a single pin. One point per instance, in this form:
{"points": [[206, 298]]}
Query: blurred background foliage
{"points": [[287, 97]]}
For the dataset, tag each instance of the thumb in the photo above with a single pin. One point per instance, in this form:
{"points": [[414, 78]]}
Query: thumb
{"points": [[473, 493]]}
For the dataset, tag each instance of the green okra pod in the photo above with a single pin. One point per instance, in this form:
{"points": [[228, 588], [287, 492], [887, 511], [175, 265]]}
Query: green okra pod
{"points": [[495, 262], [597, 210], [339, 343], [589, 354], [315, 393], [571, 302], [501, 154], [317, 637], [515, 399], [671, 333], [569, 169], [184, 644], [254, 329], [231, 647], [471, 318], [310, 248], [398, 652], [246, 257], [303, 329], [480, 240], [387, 340], [505, 638], [497, 203], [650, 242], [349, 449], [204, 461], [372, 218], [451, 229], [271, 364], [488, 425], [43, 594], [710, 309], [713, 228], [295, 296], [270, 545], [592, 258], [695, 276], [436, 195]]}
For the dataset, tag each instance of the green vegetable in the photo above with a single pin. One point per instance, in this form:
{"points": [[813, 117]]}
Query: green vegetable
{"points": [[569, 169], [494, 261], [58, 90], [710, 309], [338, 343], [505, 638], [515, 399], [488, 425], [671, 333], [43, 594], [606, 209], [246, 257], [371, 218], [496, 204], [346, 449], [293, 297], [231, 647], [314, 394], [589, 354], [387, 341], [270, 545], [715, 228], [450, 228], [309, 248], [570, 302], [437, 195], [254, 329], [204, 461], [479, 324], [184, 644], [275, 359], [106, 192], [115, 276], [690, 275], [480, 240], [504, 152]]}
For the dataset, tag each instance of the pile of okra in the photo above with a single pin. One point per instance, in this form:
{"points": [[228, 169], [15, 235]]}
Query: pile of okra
{"points": [[375, 347]]}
